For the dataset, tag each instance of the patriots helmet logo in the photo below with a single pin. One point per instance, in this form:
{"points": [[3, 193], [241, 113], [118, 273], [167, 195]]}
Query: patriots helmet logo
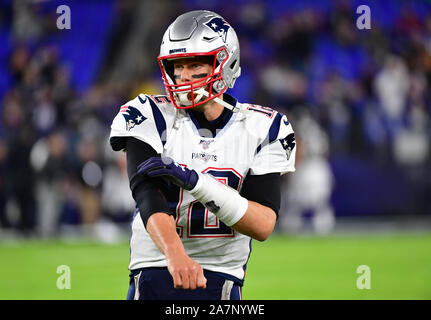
{"points": [[219, 26], [132, 116]]}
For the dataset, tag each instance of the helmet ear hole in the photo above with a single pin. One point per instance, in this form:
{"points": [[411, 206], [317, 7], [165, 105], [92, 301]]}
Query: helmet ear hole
{"points": [[232, 65]]}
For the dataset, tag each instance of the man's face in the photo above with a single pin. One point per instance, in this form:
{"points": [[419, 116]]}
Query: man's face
{"points": [[192, 69]]}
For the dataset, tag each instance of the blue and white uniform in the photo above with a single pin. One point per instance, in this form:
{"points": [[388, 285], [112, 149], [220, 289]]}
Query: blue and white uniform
{"points": [[256, 142]]}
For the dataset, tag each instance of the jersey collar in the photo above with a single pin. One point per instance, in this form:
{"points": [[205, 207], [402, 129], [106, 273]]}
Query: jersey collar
{"points": [[216, 125]]}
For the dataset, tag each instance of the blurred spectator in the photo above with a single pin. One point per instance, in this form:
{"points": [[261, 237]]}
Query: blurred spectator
{"points": [[392, 86], [309, 189], [20, 175], [286, 86], [18, 63], [44, 112], [334, 99], [27, 23], [117, 201], [88, 168], [49, 159]]}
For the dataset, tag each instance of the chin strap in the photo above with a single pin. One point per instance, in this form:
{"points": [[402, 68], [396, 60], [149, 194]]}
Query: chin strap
{"points": [[225, 104]]}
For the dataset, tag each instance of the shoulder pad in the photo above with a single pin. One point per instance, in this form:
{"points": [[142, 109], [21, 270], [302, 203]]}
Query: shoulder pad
{"points": [[267, 123], [146, 118]]}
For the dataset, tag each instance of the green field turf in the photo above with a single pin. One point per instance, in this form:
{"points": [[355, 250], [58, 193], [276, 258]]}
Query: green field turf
{"points": [[302, 267]]}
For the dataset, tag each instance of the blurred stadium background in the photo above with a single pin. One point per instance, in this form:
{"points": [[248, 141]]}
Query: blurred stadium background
{"points": [[359, 101]]}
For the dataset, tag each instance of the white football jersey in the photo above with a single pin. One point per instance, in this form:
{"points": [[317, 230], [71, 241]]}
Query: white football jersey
{"points": [[256, 142]]}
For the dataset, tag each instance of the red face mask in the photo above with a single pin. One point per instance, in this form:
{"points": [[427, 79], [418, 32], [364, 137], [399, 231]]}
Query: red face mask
{"points": [[194, 93]]}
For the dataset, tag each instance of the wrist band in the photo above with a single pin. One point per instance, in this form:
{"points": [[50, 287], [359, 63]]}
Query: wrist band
{"points": [[223, 201]]}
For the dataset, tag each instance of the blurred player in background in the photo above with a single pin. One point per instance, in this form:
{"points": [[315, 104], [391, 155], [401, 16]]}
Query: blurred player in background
{"points": [[204, 169], [309, 190]]}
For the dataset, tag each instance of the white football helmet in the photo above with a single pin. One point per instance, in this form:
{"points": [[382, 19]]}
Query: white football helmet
{"points": [[200, 33]]}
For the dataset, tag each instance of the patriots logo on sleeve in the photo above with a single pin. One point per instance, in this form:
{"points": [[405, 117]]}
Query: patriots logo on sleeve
{"points": [[288, 144], [220, 26], [132, 116]]}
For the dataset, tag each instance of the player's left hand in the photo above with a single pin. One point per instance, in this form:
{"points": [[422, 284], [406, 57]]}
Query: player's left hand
{"points": [[168, 169]]}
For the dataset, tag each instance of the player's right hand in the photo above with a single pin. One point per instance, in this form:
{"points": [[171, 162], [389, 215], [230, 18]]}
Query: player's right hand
{"points": [[168, 169], [186, 272]]}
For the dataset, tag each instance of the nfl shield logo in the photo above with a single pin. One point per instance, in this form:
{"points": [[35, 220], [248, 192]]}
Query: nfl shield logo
{"points": [[205, 143]]}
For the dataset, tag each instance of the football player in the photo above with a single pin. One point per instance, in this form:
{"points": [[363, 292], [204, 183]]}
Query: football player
{"points": [[204, 169]]}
